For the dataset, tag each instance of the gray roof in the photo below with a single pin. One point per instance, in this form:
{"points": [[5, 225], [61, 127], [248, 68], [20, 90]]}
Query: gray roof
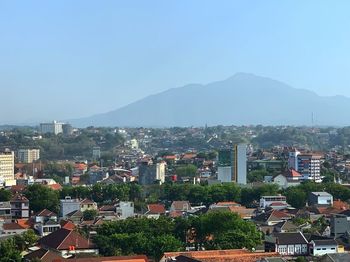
{"points": [[321, 194], [325, 242], [290, 238]]}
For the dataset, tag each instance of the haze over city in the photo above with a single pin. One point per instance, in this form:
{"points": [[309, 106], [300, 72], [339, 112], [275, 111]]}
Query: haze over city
{"points": [[65, 60]]}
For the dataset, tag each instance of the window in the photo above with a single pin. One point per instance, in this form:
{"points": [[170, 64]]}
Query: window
{"points": [[318, 248], [333, 248], [324, 248]]}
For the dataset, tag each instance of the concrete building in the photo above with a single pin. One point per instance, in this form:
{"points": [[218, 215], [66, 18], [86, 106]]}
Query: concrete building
{"points": [[268, 201], [28, 155], [96, 152], [7, 165], [293, 159], [151, 173], [309, 166], [68, 205], [125, 209], [320, 199], [340, 224], [54, 128], [19, 206], [232, 164]]}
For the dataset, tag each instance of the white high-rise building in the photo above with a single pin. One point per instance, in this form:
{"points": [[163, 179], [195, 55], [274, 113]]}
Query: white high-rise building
{"points": [[7, 167], [54, 127], [293, 159], [28, 155], [232, 164]]}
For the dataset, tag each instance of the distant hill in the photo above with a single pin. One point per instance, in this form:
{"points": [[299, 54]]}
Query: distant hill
{"points": [[242, 99]]}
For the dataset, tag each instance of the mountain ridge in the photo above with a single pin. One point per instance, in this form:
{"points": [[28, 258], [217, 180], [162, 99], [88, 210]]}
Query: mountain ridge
{"points": [[241, 99]]}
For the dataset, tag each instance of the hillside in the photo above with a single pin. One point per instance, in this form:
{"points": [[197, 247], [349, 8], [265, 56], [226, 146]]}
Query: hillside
{"points": [[242, 99]]}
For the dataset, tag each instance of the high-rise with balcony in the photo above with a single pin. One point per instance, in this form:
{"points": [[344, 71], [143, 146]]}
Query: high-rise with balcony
{"points": [[7, 166], [28, 155], [232, 164]]}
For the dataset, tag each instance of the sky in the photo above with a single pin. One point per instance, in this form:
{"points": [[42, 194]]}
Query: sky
{"points": [[69, 59]]}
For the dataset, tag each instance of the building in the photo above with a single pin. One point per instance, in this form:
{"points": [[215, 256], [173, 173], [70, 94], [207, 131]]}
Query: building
{"points": [[7, 168], [28, 155], [320, 247], [67, 129], [268, 201], [19, 206], [155, 211], [87, 204], [125, 209], [308, 165], [68, 205], [67, 242], [293, 159], [232, 164], [290, 178], [96, 152], [150, 173], [53, 128], [320, 199], [287, 244], [340, 224]]}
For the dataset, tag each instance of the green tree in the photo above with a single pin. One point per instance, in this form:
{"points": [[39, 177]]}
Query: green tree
{"points": [[41, 197], [5, 195], [9, 251], [89, 214], [296, 197], [186, 170]]}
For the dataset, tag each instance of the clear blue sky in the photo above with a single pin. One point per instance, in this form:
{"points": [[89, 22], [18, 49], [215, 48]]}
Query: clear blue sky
{"points": [[67, 59]]}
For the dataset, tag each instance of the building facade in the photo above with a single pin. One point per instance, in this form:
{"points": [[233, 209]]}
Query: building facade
{"points": [[232, 164], [7, 167], [28, 155], [54, 128]]}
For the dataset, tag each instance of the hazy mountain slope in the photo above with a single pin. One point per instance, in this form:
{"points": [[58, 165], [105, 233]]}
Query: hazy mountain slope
{"points": [[240, 100]]}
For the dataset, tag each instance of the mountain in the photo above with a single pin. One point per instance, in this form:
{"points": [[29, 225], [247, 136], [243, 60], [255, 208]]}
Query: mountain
{"points": [[242, 99]]}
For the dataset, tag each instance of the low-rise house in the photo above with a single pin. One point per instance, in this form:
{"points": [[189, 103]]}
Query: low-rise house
{"points": [[125, 209], [68, 205], [47, 227], [287, 244], [76, 217], [320, 247], [286, 226], [43, 255], [45, 215], [340, 224], [320, 199], [12, 228], [182, 206], [291, 178], [87, 204], [155, 211], [272, 217], [67, 242], [278, 202]]}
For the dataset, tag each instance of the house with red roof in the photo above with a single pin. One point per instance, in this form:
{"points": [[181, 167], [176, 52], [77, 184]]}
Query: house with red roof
{"points": [[67, 243], [290, 178], [155, 211]]}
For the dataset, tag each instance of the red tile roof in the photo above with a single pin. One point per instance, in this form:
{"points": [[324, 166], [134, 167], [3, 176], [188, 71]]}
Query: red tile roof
{"points": [[156, 209], [12, 226], [46, 213], [63, 238], [67, 224]]}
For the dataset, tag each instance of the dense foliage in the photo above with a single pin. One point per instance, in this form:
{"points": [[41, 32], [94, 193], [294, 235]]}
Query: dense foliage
{"points": [[214, 230]]}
